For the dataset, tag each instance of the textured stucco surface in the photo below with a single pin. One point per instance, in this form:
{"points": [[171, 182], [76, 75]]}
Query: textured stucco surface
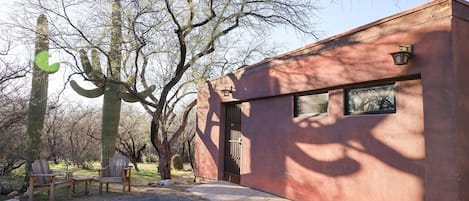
{"points": [[417, 153]]}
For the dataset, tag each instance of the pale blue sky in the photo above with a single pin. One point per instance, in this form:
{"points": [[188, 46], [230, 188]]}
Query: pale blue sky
{"points": [[340, 16]]}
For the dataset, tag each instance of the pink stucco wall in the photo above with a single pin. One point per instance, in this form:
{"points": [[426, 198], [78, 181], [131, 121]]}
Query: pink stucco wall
{"points": [[460, 46], [336, 157], [418, 153]]}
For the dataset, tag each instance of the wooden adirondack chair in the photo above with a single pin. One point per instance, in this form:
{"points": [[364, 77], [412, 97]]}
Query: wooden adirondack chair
{"points": [[118, 171], [42, 178]]}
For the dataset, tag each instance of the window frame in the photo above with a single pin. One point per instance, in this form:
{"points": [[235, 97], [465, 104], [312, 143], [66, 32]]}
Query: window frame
{"points": [[387, 84], [296, 112]]}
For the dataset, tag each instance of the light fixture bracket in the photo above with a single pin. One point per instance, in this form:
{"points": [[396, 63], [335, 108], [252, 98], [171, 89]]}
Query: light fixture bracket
{"points": [[227, 91], [402, 56], [406, 48]]}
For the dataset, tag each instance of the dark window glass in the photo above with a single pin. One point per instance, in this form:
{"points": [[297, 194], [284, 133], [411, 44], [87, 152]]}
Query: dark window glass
{"points": [[311, 104], [371, 100]]}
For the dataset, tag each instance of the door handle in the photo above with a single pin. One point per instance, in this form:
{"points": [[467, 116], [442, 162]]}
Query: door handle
{"points": [[237, 141]]}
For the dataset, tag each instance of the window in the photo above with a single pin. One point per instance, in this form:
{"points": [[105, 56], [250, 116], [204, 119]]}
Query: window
{"points": [[371, 100], [311, 104]]}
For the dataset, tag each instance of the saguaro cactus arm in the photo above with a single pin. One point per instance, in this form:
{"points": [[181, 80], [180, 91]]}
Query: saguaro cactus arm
{"points": [[92, 70], [131, 80], [95, 62], [89, 93], [131, 98]]}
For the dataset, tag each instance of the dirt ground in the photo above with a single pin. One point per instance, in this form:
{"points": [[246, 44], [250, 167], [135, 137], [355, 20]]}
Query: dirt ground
{"points": [[140, 191], [143, 192]]}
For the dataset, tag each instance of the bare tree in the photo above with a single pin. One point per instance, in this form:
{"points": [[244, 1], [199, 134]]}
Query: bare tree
{"points": [[133, 130], [53, 141], [213, 20], [13, 110], [170, 44], [71, 134], [186, 144], [12, 129], [81, 135]]}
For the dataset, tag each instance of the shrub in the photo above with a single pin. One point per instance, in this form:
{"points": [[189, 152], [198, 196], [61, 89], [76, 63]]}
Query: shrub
{"points": [[150, 158], [176, 162]]}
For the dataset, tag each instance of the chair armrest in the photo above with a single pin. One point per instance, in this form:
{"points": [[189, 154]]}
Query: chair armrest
{"points": [[32, 176], [126, 171], [62, 171], [68, 174], [100, 171], [43, 175]]}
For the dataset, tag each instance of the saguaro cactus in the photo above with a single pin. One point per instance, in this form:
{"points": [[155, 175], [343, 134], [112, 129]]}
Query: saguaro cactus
{"points": [[113, 95], [108, 86], [39, 85]]}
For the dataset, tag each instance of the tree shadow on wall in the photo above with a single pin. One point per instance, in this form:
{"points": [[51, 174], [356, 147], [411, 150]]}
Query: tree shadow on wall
{"points": [[290, 154], [320, 153]]}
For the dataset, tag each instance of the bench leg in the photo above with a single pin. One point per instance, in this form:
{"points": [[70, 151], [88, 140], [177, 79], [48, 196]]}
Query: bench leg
{"points": [[74, 191], [100, 188], [52, 192], [69, 191], [31, 188], [87, 187]]}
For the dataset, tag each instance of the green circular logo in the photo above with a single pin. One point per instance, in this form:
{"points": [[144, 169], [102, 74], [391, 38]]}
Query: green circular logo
{"points": [[42, 61]]}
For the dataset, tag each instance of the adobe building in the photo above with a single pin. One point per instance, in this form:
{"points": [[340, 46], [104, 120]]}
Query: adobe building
{"points": [[339, 120]]}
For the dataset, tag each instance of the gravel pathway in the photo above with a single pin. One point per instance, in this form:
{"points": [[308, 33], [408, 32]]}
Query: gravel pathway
{"points": [[156, 198]]}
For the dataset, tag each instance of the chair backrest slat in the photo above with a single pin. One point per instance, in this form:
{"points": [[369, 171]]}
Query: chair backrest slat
{"points": [[117, 165], [41, 167]]}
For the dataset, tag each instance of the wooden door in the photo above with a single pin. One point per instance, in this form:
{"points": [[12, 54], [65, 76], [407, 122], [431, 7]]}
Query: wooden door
{"points": [[233, 143]]}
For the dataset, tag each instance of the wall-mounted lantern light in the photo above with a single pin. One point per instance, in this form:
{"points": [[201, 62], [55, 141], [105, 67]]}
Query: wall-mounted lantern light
{"points": [[227, 91], [403, 55]]}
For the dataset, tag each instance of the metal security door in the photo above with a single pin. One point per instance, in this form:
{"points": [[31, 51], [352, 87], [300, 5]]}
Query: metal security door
{"points": [[232, 143]]}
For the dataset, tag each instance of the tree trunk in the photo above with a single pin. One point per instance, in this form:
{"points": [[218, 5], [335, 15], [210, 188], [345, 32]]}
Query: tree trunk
{"points": [[136, 167], [163, 145], [140, 156], [183, 151], [189, 149], [164, 165]]}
